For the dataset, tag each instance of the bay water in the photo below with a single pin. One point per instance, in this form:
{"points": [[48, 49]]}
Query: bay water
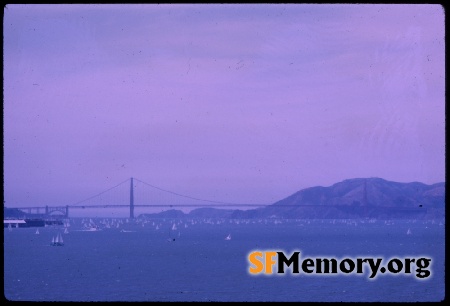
{"points": [[153, 260]]}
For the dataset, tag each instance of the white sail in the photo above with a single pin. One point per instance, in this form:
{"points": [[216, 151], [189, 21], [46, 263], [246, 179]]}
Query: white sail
{"points": [[174, 227], [37, 232], [228, 237], [66, 231], [58, 240]]}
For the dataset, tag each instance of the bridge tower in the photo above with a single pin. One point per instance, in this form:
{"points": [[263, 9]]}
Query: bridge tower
{"points": [[131, 200]]}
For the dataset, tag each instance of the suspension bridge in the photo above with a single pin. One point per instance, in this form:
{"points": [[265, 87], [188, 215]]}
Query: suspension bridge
{"points": [[133, 193]]}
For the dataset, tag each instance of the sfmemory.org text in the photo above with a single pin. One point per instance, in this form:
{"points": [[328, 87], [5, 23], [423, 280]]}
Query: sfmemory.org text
{"points": [[274, 262]]}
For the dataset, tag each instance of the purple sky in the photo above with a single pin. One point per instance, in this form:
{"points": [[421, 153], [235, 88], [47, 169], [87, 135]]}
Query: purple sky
{"points": [[233, 103]]}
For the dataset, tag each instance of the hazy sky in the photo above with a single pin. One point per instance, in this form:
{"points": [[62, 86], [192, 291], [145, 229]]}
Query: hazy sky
{"points": [[236, 103]]}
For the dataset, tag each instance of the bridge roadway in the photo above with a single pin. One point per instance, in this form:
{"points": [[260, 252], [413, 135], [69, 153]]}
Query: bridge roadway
{"points": [[64, 210], [60, 208], [53, 208]]}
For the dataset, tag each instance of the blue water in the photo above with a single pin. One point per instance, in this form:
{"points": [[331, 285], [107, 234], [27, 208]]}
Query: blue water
{"points": [[200, 265]]}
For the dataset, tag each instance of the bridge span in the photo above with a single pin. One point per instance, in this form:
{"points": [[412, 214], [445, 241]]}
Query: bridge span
{"points": [[187, 202]]}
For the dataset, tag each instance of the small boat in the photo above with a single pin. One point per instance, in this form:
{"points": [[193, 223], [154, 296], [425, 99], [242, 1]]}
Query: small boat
{"points": [[92, 228], [125, 231], [408, 232], [37, 231], [66, 231], [57, 241], [228, 237]]}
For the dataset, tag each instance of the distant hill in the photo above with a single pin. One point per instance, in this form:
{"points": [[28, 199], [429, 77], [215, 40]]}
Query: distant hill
{"points": [[206, 212], [360, 198], [14, 213], [349, 199]]}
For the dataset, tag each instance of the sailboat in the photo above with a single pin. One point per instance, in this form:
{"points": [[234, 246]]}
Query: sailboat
{"points": [[9, 227], [57, 241], [37, 231], [172, 233], [66, 231], [408, 232], [228, 237]]}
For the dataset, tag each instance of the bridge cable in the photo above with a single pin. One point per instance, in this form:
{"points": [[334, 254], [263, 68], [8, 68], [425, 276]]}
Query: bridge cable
{"points": [[99, 193], [192, 198]]}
